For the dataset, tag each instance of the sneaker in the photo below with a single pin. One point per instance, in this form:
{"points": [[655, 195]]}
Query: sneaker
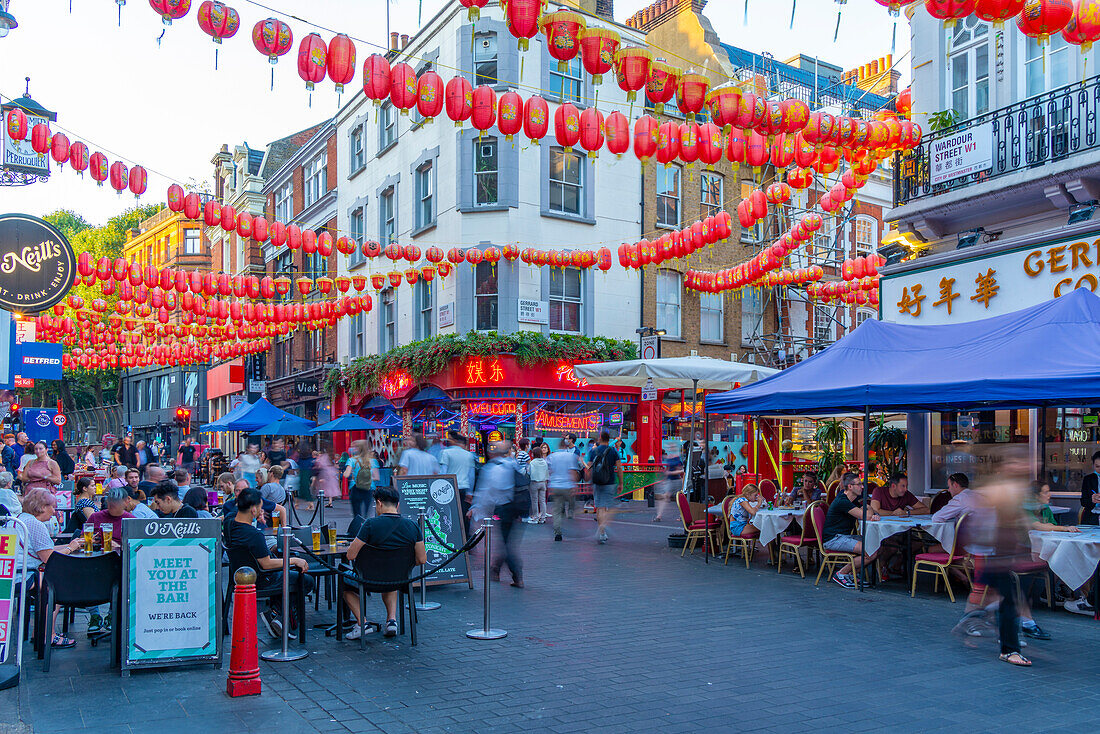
{"points": [[358, 631], [845, 580], [391, 628], [95, 624], [107, 623], [272, 623], [1079, 606], [1035, 631], [557, 537]]}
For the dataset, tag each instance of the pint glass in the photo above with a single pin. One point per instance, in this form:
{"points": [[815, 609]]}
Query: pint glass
{"points": [[316, 538]]}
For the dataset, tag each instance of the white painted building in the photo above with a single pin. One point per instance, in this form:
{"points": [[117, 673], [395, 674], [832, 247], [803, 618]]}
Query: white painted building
{"points": [[434, 184]]}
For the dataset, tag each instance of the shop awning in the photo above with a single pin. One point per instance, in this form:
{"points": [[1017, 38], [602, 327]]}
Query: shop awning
{"points": [[248, 417], [673, 373], [1047, 354]]}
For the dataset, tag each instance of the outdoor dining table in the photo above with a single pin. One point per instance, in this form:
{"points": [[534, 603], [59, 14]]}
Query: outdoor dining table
{"points": [[772, 523], [880, 530], [1073, 557]]}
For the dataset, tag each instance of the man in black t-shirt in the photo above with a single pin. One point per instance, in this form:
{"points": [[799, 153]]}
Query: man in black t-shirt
{"points": [[240, 534], [166, 500], [388, 531], [838, 534], [125, 452], [186, 455]]}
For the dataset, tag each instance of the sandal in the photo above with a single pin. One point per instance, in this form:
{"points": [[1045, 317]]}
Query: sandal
{"points": [[60, 641], [1015, 658]]}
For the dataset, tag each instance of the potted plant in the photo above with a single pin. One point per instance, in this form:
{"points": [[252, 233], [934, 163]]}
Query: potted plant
{"points": [[890, 446], [831, 437]]}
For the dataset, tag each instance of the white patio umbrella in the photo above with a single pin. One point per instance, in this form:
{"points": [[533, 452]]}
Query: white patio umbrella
{"points": [[676, 373]]}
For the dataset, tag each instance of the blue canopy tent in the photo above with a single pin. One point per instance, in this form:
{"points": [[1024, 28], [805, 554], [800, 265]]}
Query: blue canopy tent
{"points": [[289, 425], [353, 422], [251, 417], [221, 423]]}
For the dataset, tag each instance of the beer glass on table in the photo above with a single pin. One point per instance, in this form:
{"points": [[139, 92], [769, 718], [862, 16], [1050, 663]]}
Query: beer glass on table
{"points": [[332, 534], [316, 538], [89, 537], [107, 530]]}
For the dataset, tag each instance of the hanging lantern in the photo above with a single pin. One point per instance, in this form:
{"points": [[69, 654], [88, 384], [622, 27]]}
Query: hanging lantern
{"points": [[522, 19], [668, 143], [170, 10], [175, 195], [632, 69], [312, 59], [228, 218], [218, 21], [411, 253], [429, 95], [455, 256], [244, 225], [41, 138], [661, 85], [474, 8], [211, 213], [484, 111], [783, 150], [1083, 28], [273, 38], [598, 48], [536, 118], [261, 230], [756, 150], [346, 245], [563, 29], [459, 100], [378, 281], [395, 278], [139, 181], [646, 131], [372, 249], [904, 102], [591, 131], [376, 78], [98, 167], [723, 102], [691, 94], [428, 273], [617, 129], [444, 269], [474, 256], [1040, 18], [998, 11], [403, 87], [59, 149], [17, 124], [340, 61], [567, 126], [689, 142], [395, 252], [510, 109], [309, 241]]}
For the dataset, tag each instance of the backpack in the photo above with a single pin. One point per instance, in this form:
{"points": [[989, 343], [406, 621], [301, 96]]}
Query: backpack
{"points": [[362, 477], [603, 469]]}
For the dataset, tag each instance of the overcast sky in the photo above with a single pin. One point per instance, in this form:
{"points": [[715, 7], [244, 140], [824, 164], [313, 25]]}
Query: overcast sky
{"points": [[166, 108]]}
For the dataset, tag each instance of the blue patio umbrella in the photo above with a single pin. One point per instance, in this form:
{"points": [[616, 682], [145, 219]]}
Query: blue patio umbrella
{"points": [[347, 422], [286, 426]]}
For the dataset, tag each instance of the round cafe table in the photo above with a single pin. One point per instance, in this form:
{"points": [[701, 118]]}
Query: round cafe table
{"points": [[1072, 557], [880, 530], [771, 523]]}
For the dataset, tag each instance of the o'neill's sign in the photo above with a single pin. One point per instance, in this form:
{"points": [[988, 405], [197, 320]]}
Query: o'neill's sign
{"points": [[37, 264]]}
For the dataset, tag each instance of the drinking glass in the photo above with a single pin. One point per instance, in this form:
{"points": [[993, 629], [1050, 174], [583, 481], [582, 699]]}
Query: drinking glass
{"points": [[107, 530], [316, 538], [89, 537]]}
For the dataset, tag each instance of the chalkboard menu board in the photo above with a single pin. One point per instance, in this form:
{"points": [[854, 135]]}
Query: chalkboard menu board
{"points": [[172, 592], [437, 497]]}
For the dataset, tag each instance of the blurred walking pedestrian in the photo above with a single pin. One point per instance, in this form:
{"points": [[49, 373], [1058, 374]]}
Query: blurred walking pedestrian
{"points": [[606, 474], [666, 490], [496, 495], [362, 472], [326, 482], [539, 472], [415, 459], [456, 460], [565, 468]]}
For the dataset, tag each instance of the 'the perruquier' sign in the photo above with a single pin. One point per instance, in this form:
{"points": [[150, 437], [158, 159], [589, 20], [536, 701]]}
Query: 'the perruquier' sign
{"points": [[37, 264]]}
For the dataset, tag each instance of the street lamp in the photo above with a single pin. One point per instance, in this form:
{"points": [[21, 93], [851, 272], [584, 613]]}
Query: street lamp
{"points": [[7, 20]]}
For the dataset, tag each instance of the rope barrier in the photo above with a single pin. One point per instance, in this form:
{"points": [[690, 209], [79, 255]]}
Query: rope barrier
{"points": [[352, 575], [441, 541]]}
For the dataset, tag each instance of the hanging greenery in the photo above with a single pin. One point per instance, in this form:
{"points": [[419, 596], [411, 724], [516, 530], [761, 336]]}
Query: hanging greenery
{"points": [[428, 357]]}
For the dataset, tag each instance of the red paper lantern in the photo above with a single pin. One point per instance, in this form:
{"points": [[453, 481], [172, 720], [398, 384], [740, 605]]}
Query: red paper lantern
{"points": [[894, 6], [783, 150], [312, 59], [598, 48], [1040, 18], [261, 229], [139, 181], [691, 94], [474, 8], [170, 10], [309, 241], [218, 20], [429, 95], [484, 111], [410, 253], [376, 78], [340, 61], [645, 138], [591, 133], [474, 256], [41, 138], [98, 167], [710, 143], [17, 124], [510, 118], [459, 100], [175, 195], [211, 213], [661, 85], [723, 102], [567, 126], [403, 83], [346, 245], [536, 118], [632, 69], [273, 38], [689, 142], [562, 29], [617, 129], [948, 10], [735, 147], [59, 149], [668, 142], [997, 11], [1083, 28], [455, 256], [522, 19], [244, 225], [372, 248]]}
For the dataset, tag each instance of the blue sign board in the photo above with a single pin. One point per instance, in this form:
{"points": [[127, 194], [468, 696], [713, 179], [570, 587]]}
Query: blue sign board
{"points": [[7, 340], [39, 425], [38, 360]]}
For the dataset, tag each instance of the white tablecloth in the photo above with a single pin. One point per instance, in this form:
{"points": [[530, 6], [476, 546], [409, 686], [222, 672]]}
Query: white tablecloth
{"points": [[1071, 556], [880, 530], [773, 522]]}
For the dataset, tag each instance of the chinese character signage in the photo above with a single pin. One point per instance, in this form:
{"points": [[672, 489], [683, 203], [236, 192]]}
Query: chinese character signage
{"points": [[395, 383], [977, 288]]}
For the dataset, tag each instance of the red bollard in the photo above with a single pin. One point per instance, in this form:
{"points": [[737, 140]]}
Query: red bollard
{"points": [[244, 661]]}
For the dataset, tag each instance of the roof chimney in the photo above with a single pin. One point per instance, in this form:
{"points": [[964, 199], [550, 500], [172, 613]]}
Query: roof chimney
{"points": [[661, 11], [404, 40], [395, 40]]}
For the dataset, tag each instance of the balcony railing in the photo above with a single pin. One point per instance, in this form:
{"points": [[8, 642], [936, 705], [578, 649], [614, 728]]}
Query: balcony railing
{"points": [[1031, 133]]}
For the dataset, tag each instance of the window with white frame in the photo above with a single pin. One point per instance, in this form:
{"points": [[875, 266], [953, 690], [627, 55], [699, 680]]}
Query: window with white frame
{"points": [[566, 181], [864, 314], [387, 126], [357, 229], [968, 78], [356, 149], [192, 242], [567, 84], [485, 297], [422, 300], [824, 325], [711, 318], [668, 302], [357, 328], [711, 193], [566, 300], [424, 184], [316, 179], [284, 202], [866, 230], [752, 315], [824, 245], [1046, 68], [486, 172], [486, 59], [387, 217], [668, 196], [389, 320]]}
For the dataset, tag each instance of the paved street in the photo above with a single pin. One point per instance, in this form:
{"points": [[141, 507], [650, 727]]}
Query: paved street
{"points": [[618, 638]]}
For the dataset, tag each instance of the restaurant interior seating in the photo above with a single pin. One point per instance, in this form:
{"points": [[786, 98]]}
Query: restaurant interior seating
{"points": [[72, 581]]}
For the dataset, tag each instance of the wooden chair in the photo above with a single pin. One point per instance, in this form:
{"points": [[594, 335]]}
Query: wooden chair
{"points": [[694, 529], [938, 563], [829, 559], [942, 498], [792, 544], [746, 541]]}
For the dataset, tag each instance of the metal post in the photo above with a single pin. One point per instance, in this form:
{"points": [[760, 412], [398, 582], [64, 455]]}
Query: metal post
{"points": [[424, 605], [285, 655], [487, 632], [866, 501]]}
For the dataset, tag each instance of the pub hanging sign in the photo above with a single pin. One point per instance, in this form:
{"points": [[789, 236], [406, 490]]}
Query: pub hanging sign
{"points": [[37, 264]]}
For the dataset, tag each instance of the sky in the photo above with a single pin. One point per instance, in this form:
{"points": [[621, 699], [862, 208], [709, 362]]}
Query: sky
{"points": [[163, 105]]}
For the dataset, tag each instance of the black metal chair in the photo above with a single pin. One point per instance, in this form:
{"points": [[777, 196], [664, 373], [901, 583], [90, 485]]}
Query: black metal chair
{"points": [[317, 570], [76, 582], [379, 571], [239, 558], [354, 526]]}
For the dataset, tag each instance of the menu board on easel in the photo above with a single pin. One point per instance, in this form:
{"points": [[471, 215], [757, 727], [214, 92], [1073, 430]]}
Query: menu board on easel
{"points": [[437, 497]]}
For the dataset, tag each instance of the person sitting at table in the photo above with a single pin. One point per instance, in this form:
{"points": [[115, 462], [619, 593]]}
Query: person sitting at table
{"points": [[84, 504], [1090, 492], [135, 504], [166, 500], [154, 475], [896, 499], [809, 490], [839, 536], [9, 500], [241, 534], [229, 507], [38, 506], [118, 477], [182, 478], [197, 500], [388, 530], [1041, 517], [273, 489], [743, 508], [113, 513], [963, 499]]}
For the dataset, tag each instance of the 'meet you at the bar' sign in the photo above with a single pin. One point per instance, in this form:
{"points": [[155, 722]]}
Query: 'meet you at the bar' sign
{"points": [[172, 591]]}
